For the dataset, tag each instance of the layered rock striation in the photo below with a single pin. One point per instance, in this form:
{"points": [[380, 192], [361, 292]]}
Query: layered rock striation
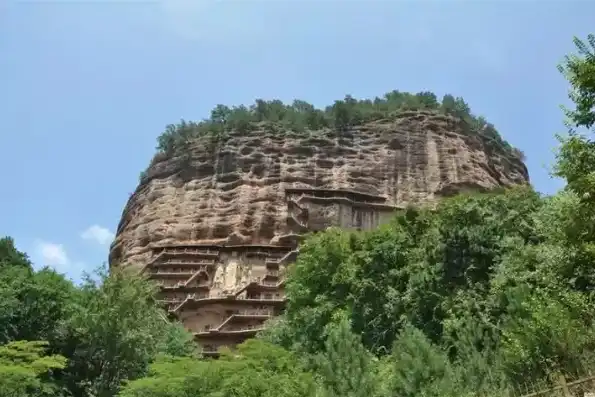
{"points": [[217, 225]]}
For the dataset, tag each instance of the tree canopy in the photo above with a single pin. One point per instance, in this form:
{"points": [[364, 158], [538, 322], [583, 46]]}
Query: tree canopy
{"points": [[59, 339], [300, 116]]}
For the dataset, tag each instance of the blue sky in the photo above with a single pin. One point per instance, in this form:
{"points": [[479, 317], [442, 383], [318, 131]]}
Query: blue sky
{"points": [[87, 86]]}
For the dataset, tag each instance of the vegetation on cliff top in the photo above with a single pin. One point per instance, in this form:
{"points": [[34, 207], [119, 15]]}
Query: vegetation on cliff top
{"points": [[301, 116], [487, 292]]}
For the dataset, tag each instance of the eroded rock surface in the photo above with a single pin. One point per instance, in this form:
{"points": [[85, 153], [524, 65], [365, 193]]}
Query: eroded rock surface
{"points": [[217, 226], [235, 193]]}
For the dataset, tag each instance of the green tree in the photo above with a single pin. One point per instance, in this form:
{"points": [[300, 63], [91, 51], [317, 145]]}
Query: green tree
{"points": [[114, 333], [255, 369], [318, 285], [23, 365], [176, 341], [424, 268], [176, 377], [448, 105], [220, 114], [415, 363], [548, 333], [341, 115], [576, 156], [427, 100], [579, 70], [10, 256], [32, 304], [575, 159], [345, 366]]}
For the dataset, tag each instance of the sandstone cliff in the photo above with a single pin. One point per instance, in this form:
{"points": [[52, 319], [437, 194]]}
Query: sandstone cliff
{"points": [[235, 191]]}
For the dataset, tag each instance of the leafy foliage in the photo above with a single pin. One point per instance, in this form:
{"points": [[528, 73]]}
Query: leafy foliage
{"points": [[482, 293], [579, 70], [478, 286], [418, 269], [256, 369], [32, 304], [345, 366], [114, 332], [22, 365], [98, 334]]}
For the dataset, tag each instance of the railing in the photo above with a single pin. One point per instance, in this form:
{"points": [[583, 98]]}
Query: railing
{"points": [[170, 300], [253, 312], [189, 297], [201, 268], [289, 256], [581, 387], [269, 255], [257, 253], [271, 283], [155, 258], [259, 327], [245, 328], [296, 221], [179, 284], [193, 251], [196, 296], [183, 262], [162, 284], [176, 272], [185, 284], [262, 298], [249, 312], [335, 194]]}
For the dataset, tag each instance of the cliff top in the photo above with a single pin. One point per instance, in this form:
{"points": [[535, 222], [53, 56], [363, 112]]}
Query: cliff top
{"points": [[302, 118]]}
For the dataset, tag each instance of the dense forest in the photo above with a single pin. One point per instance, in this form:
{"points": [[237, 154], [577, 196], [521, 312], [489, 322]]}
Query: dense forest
{"points": [[483, 294]]}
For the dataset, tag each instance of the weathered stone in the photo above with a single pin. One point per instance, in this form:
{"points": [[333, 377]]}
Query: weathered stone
{"points": [[261, 190]]}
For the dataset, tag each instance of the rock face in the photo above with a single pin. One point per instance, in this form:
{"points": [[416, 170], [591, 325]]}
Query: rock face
{"points": [[217, 227]]}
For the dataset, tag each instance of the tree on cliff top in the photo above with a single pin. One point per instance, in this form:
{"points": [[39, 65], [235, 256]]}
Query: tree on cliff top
{"points": [[300, 116]]}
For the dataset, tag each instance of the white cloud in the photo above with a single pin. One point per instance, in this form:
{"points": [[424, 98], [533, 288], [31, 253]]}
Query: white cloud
{"points": [[100, 235], [54, 256], [51, 254]]}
